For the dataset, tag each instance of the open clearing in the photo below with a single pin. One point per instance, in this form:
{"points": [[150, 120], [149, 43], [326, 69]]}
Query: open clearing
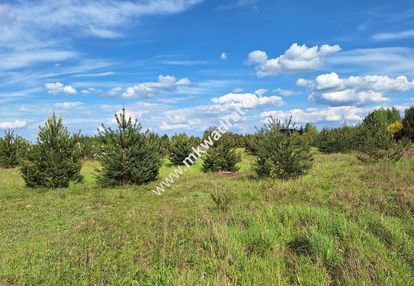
{"points": [[345, 223]]}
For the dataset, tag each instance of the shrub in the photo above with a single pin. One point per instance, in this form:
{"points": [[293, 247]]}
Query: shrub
{"points": [[55, 160], [337, 140], [251, 142], [384, 115], [282, 154], [165, 145], [181, 147], [222, 156], [376, 142], [89, 147], [310, 134], [8, 150], [221, 202], [408, 123], [127, 156]]}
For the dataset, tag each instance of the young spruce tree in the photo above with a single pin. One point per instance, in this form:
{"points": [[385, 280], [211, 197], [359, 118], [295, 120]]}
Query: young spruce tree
{"points": [[376, 142], [408, 123], [281, 152], [128, 156], [222, 156], [181, 146], [56, 158], [8, 150]]}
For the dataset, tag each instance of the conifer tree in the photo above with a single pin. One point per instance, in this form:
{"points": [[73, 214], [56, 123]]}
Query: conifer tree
{"points": [[165, 145], [55, 160], [408, 123], [377, 142], [128, 156], [181, 147], [222, 156], [8, 150], [282, 154]]}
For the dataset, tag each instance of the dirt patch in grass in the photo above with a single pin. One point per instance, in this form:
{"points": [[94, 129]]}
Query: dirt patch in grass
{"points": [[226, 174], [83, 225]]}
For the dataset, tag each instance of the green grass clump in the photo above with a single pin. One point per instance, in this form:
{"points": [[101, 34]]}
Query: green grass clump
{"points": [[344, 223]]}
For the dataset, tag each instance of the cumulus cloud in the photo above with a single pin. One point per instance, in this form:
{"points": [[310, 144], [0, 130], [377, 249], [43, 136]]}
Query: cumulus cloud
{"points": [[247, 100], [13, 124], [315, 115], [296, 58], [58, 87], [164, 84], [335, 91], [115, 91]]}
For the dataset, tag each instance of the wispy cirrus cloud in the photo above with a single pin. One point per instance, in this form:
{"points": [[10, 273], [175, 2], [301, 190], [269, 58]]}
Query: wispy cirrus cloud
{"points": [[391, 61], [394, 35], [16, 124], [67, 105], [240, 4], [26, 39]]}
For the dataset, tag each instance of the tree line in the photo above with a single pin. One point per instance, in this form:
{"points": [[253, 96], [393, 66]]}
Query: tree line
{"points": [[129, 155]]}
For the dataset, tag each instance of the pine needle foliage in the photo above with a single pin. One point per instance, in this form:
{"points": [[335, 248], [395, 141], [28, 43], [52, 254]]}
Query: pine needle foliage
{"points": [[408, 123], [128, 155], [222, 156], [8, 150], [181, 147], [376, 142], [281, 151], [55, 160]]}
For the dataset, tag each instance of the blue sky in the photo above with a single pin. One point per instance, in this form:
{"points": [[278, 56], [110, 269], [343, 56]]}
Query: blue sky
{"points": [[182, 65]]}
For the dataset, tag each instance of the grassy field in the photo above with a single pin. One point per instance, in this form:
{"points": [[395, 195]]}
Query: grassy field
{"points": [[345, 223]]}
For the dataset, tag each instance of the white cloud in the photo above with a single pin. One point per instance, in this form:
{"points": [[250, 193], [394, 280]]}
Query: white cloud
{"points": [[285, 92], [393, 36], [239, 4], [390, 61], [13, 124], [21, 59], [56, 22], [247, 100], [115, 91], [91, 90], [315, 115], [67, 105], [92, 75], [166, 126], [335, 91], [296, 58], [223, 56], [100, 19], [128, 114], [58, 87], [163, 85], [238, 90]]}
